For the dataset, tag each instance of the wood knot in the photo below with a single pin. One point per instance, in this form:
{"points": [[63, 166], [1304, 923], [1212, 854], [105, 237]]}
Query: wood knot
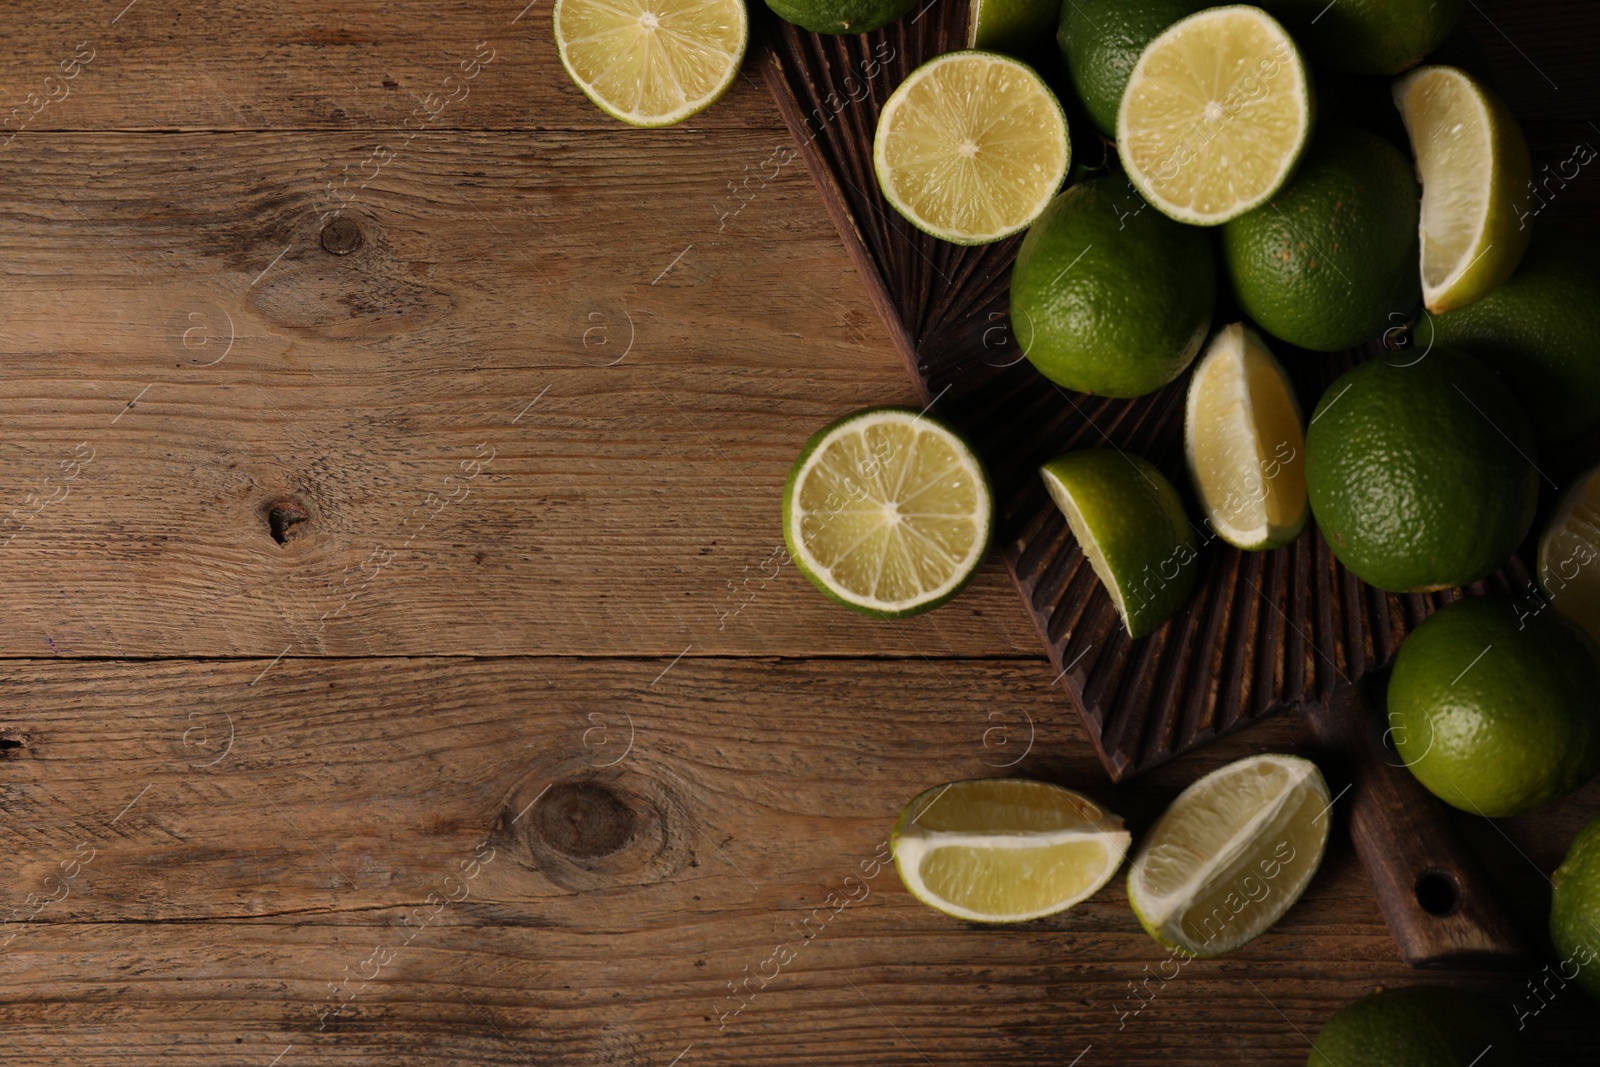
{"points": [[286, 519], [583, 819], [341, 236], [619, 826]]}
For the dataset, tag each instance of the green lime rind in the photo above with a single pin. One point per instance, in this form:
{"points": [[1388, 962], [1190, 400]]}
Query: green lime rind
{"points": [[1108, 295], [879, 164], [1380, 37], [1100, 41], [688, 111], [1491, 705], [1541, 331], [1421, 477], [1014, 27], [1575, 909], [1132, 527], [1328, 261], [1418, 1026], [791, 540], [840, 16]]}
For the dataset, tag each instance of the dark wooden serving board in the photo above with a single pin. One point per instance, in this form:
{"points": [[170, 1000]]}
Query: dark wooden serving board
{"points": [[1263, 631]]}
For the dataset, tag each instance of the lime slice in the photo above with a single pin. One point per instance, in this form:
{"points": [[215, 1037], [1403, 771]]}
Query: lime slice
{"points": [[1245, 443], [1130, 524], [652, 62], [1474, 167], [971, 147], [1014, 27], [1004, 850], [1231, 855], [888, 511], [1569, 554], [1215, 116]]}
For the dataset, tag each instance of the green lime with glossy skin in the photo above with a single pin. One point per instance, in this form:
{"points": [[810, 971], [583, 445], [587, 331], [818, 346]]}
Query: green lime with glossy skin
{"points": [[840, 16], [1110, 296], [1541, 330], [1324, 263], [1131, 526], [1100, 41], [1368, 36], [1575, 910], [1493, 706], [1421, 477], [1418, 1026]]}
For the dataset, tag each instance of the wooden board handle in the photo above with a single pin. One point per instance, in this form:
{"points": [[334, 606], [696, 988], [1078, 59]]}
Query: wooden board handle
{"points": [[1434, 894]]}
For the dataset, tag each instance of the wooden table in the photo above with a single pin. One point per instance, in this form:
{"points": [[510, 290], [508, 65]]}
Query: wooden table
{"points": [[402, 666]]}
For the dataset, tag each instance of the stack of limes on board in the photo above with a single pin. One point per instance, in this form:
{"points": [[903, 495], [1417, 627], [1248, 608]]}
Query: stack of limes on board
{"points": [[1329, 167]]}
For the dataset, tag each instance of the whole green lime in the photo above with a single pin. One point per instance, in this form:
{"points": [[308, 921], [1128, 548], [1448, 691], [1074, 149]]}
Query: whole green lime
{"points": [[1418, 1026], [1101, 40], [1541, 330], [840, 16], [1575, 910], [1110, 296], [1421, 476], [1493, 706], [1368, 36], [1324, 263]]}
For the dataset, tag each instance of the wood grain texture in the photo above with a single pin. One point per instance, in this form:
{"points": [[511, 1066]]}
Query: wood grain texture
{"points": [[233, 888], [1263, 631], [641, 381]]}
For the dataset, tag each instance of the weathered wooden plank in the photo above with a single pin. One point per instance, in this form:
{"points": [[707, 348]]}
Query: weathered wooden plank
{"points": [[394, 65], [636, 434], [240, 896]]}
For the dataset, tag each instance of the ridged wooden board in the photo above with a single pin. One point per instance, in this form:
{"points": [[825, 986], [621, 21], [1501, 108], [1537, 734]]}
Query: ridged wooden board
{"points": [[1263, 631]]}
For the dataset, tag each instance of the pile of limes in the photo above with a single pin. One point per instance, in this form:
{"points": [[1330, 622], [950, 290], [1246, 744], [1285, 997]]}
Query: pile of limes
{"points": [[1244, 158]]}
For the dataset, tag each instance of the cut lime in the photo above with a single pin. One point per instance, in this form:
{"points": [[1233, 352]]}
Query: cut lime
{"points": [[1005, 850], [1131, 527], [1244, 439], [652, 62], [1474, 166], [971, 147], [1231, 855], [888, 511], [1215, 116], [1569, 554]]}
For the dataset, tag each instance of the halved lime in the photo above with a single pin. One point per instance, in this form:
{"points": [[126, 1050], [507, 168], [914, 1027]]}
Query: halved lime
{"points": [[1131, 527], [888, 511], [1003, 850], [652, 62], [1216, 114], [1231, 855], [1569, 554], [1245, 442], [971, 147], [1474, 166]]}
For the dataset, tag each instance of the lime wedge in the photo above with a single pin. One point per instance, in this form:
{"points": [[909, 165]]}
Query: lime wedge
{"points": [[1474, 167], [1014, 27], [1215, 116], [888, 511], [1569, 554], [1231, 855], [652, 62], [1245, 443], [971, 147], [1002, 850], [1130, 524]]}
